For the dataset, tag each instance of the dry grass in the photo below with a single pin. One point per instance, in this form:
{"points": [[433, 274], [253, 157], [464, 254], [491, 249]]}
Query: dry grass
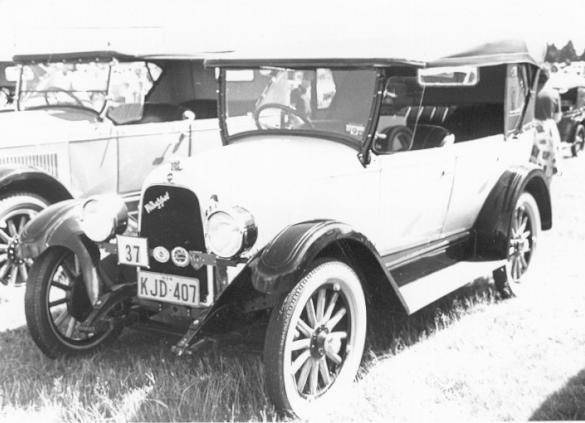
{"points": [[467, 357]]}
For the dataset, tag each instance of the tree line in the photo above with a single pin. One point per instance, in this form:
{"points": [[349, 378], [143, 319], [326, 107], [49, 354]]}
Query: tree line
{"points": [[565, 54]]}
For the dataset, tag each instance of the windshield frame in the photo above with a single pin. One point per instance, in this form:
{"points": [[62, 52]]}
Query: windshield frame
{"points": [[359, 145], [18, 93], [111, 62]]}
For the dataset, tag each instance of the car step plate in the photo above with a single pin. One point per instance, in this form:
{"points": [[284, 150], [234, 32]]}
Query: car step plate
{"points": [[430, 288]]}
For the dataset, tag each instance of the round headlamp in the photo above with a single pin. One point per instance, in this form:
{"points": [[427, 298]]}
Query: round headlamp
{"points": [[230, 232], [103, 216]]}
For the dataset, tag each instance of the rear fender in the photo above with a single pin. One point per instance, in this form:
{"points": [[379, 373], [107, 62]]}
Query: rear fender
{"points": [[493, 223], [59, 226], [32, 180]]}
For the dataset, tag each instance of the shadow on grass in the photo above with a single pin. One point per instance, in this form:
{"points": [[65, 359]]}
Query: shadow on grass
{"points": [[396, 331], [138, 378], [568, 403], [135, 378]]}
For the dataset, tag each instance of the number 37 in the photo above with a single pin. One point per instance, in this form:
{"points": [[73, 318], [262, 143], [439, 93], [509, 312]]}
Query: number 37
{"points": [[132, 253]]}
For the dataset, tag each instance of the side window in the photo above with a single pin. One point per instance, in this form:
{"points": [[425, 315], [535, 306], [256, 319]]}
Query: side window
{"points": [[517, 90], [129, 84], [406, 122]]}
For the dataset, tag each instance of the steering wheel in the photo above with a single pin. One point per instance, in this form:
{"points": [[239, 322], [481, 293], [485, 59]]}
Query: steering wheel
{"points": [[287, 111], [60, 90], [394, 139]]}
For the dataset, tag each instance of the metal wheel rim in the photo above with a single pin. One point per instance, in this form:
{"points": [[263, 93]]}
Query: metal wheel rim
{"points": [[13, 269], [58, 299], [318, 346], [521, 243]]}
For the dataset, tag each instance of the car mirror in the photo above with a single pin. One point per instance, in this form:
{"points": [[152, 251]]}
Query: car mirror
{"points": [[451, 76], [125, 113]]}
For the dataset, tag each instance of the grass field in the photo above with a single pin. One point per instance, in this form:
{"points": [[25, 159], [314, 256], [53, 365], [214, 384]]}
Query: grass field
{"points": [[469, 357]]}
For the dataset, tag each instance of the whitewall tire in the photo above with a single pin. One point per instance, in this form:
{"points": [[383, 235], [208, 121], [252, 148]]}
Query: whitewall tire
{"points": [[315, 338]]}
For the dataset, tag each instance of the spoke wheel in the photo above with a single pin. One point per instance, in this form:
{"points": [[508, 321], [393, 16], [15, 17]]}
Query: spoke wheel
{"points": [[522, 241], [15, 212], [315, 339], [56, 303]]}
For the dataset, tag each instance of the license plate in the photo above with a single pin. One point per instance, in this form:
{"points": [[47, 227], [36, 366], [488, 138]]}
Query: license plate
{"points": [[132, 251], [168, 288]]}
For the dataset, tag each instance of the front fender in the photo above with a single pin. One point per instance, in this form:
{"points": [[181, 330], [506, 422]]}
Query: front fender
{"points": [[493, 223], [275, 269], [284, 260], [59, 226]]}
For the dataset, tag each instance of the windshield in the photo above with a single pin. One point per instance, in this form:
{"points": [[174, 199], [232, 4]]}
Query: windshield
{"points": [[327, 101], [85, 85]]}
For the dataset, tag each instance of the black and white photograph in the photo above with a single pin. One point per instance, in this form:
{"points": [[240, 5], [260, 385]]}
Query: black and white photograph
{"points": [[335, 211]]}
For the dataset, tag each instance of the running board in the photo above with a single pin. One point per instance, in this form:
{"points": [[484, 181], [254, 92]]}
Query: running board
{"points": [[430, 288]]}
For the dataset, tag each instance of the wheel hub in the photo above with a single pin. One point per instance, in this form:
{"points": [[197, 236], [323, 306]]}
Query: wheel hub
{"points": [[322, 343], [12, 252], [79, 305], [319, 341]]}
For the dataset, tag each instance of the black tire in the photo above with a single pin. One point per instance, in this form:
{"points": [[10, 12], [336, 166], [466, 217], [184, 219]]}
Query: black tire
{"points": [[578, 140], [338, 292], [54, 272], [16, 210], [522, 244]]}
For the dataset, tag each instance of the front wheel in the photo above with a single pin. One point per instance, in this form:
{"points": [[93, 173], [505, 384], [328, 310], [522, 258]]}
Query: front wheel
{"points": [[55, 304], [315, 338], [522, 242]]}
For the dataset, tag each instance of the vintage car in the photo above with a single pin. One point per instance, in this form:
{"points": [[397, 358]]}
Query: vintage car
{"points": [[344, 183], [572, 123], [95, 122]]}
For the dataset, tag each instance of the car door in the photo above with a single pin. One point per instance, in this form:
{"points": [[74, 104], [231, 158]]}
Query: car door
{"points": [[481, 159], [415, 188], [143, 146], [97, 175]]}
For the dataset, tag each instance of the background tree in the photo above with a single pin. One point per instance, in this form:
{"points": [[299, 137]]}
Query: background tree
{"points": [[568, 53], [552, 53]]}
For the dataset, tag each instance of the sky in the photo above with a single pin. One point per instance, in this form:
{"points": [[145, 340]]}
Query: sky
{"points": [[237, 23]]}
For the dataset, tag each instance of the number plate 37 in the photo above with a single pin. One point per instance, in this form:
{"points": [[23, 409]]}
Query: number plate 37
{"points": [[133, 251]]}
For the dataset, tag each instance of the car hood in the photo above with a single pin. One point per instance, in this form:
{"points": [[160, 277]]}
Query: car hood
{"points": [[40, 127], [280, 180]]}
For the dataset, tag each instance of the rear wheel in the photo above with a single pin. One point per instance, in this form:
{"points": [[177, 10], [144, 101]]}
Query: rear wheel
{"points": [[16, 210], [522, 242], [56, 302], [578, 140], [315, 339]]}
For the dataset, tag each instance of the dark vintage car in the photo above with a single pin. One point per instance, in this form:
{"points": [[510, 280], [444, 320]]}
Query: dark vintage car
{"points": [[345, 184], [572, 123], [95, 122]]}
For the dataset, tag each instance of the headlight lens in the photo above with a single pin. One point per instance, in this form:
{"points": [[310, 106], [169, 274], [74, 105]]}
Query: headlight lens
{"points": [[230, 232], [104, 216]]}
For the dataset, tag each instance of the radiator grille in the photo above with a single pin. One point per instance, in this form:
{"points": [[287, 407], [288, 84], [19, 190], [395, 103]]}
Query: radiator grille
{"points": [[46, 162], [176, 223]]}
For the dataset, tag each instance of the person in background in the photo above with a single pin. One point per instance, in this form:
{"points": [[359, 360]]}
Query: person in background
{"points": [[546, 151]]}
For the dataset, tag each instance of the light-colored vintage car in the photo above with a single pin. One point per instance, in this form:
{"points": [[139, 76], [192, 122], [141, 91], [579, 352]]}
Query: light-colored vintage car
{"points": [[344, 183], [95, 122]]}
